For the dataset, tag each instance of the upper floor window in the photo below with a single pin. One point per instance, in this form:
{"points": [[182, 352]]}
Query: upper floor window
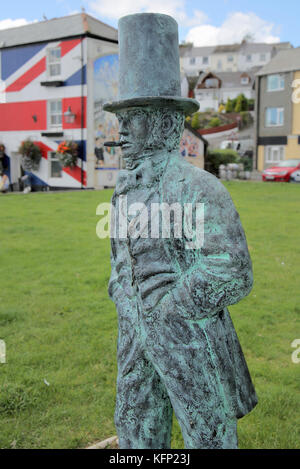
{"points": [[245, 80], [205, 60], [55, 113], [274, 116], [54, 62], [262, 57], [249, 58], [230, 58], [192, 61], [220, 66], [275, 83]]}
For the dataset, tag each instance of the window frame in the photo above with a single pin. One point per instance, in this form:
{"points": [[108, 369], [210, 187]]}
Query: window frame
{"points": [[281, 83], [49, 114], [205, 60], [279, 111], [50, 160], [49, 63], [269, 153]]}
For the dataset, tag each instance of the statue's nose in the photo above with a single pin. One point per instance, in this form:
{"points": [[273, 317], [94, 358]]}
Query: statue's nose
{"points": [[123, 130]]}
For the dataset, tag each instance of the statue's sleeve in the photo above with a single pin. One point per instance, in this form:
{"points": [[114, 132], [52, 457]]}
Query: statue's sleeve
{"points": [[221, 272]]}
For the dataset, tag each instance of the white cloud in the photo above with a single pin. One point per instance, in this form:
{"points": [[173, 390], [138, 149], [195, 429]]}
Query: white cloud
{"points": [[174, 8], [236, 26], [9, 23]]}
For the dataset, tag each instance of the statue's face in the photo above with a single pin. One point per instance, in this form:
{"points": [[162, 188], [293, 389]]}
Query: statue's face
{"points": [[134, 130]]}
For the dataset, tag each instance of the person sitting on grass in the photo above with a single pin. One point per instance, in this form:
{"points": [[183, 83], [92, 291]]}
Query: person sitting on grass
{"points": [[4, 182]]}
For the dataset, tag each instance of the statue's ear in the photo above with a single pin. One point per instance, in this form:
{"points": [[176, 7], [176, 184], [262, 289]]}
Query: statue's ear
{"points": [[168, 124]]}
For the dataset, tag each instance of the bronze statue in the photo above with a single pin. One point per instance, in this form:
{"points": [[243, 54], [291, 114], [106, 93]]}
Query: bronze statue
{"points": [[177, 347]]}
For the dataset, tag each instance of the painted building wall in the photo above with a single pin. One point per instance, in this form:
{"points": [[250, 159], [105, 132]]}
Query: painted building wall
{"points": [[24, 106], [102, 73]]}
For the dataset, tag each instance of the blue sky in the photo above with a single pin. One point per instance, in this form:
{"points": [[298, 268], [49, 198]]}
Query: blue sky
{"points": [[204, 23]]}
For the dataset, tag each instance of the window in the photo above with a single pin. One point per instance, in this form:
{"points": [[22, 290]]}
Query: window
{"points": [[230, 58], [220, 66], [245, 80], [55, 113], [192, 61], [275, 83], [205, 60], [55, 165], [274, 116], [211, 83], [249, 58], [53, 62], [262, 57], [274, 154]]}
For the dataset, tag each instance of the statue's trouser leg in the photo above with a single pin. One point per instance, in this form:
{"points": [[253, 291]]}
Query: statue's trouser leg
{"points": [[201, 413], [180, 352], [143, 415]]}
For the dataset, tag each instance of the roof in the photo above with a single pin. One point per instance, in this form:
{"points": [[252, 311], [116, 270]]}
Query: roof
{"points": [[227, 48], [229, 79], [196, 51], [246, 47], [287, 60], [233, 79], [57, 28]]}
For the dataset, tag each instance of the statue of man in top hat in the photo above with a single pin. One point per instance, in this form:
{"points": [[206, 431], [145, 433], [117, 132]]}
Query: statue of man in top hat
{"points": [[177, 347]]}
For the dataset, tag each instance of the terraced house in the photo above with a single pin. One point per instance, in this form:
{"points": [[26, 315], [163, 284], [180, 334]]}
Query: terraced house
{"points": [[55, 75], [278, 110]]}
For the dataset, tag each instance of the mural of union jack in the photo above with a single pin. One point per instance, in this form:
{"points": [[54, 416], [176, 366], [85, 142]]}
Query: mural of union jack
{"points": [[42, 83]]}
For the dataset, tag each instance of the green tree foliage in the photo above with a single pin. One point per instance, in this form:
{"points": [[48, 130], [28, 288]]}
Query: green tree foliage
{"points": [[216, 157], [229, 106], [214, 122], [241, 104]]}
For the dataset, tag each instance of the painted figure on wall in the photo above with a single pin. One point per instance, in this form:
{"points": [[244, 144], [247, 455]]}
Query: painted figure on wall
{"points": [[105, 125], [177, 346]]}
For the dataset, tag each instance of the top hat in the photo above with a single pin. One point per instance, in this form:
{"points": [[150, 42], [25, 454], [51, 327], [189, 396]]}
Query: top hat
{"points": [[149, 72]]}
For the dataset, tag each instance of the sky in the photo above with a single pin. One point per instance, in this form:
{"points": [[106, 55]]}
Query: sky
{"points": [[201, 22]]}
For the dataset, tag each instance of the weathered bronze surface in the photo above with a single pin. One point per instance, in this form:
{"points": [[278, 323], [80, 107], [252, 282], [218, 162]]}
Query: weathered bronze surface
{"points": [[177, 346]]}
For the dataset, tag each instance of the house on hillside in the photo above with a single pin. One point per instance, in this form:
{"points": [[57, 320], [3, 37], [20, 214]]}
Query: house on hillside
{"points": [[194, 60], [253, 55], [225, 58], [278, 110], [229, 57], [212, 89], [55, 76]]}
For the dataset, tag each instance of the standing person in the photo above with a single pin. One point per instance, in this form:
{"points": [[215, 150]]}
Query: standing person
{"points": [[3, 158], [177, 346]]}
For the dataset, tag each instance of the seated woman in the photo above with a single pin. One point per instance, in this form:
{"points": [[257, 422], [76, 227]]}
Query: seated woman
{"points": [[4, 182]]}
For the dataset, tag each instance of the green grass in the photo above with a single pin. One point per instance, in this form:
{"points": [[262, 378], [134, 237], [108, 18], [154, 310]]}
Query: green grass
{"points": [[60, 327]]}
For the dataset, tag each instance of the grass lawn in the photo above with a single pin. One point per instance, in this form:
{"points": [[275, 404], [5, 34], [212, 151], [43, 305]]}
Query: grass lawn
{"points": [[57, 388]]}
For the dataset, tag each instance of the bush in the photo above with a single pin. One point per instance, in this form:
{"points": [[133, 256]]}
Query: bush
{"points": [[247, 119], [229, 106], [31, 155], [216, 157], [241, 104], [214, 122]]}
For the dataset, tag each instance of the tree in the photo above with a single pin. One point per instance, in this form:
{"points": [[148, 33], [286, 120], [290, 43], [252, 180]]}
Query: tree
{"points": [[229, 106], [241, 104]]}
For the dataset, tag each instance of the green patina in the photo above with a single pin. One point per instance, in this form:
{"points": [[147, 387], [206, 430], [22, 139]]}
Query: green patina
{"points": [[177, 346]]}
